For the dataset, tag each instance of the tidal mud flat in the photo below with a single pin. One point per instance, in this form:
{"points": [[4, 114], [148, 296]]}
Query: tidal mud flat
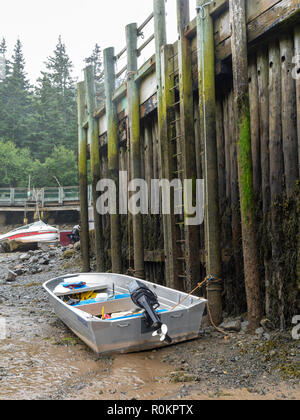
{"points": [[40, 359]]}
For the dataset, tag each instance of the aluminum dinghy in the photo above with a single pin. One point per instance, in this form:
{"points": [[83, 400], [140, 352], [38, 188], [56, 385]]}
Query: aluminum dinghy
{"points": [[111, 321]]}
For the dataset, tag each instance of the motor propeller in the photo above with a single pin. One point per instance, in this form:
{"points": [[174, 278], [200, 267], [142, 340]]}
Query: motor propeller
{"points": [[145, 299], [163, 333]]}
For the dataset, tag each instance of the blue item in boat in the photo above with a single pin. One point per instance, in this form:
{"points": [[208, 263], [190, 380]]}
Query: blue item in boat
{"points": [[91, 301], [135, 316], [74, 286]]}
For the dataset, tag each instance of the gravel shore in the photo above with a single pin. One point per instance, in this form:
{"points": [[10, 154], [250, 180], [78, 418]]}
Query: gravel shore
{"points": [[41, 359]]}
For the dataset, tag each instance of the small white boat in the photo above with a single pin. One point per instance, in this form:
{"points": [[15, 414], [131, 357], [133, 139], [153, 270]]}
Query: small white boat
{"points": [[34, 233], [124, 314]]}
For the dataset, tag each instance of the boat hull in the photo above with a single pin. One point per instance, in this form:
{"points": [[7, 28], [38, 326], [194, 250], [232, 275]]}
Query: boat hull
{"points": [[44, 238], [129, 335], [37, 233]]}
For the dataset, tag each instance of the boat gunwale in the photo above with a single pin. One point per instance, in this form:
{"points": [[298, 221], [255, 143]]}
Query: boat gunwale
{"points": [[93, 319]]}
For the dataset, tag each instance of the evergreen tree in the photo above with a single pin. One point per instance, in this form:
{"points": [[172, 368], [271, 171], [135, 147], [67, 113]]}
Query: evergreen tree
{"points": [[3, 47], [57, 101], [95, 59], [4, 63], [17, 101]]}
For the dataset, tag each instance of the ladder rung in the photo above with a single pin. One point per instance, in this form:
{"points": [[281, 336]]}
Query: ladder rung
{"points": [[179, 172], [175, 138], [179, 224], [181, 276], [173, 72], [178, 154], [175, 104], [174, 87], [182, 241], [175, 121], [173, 56], [181, 258]]}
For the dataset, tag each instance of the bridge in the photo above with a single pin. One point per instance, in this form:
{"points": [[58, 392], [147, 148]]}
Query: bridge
{"points": [[47, 199]]}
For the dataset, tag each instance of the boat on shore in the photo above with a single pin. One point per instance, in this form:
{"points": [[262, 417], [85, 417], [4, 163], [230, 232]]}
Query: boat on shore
{"points": [[114, 313], [38, 232]]}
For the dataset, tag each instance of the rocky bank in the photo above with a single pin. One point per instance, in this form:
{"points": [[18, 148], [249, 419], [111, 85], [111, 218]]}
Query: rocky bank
{"points": [[41, 359]]}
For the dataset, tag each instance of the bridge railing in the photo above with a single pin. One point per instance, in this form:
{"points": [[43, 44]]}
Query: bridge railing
{"points": [[18, 197]]}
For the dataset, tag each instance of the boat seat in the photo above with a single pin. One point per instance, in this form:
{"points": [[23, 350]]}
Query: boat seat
{"points": [[121, 303]]}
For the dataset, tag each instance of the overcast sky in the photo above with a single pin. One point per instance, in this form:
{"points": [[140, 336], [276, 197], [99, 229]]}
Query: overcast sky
{"points": [[81, 23]]}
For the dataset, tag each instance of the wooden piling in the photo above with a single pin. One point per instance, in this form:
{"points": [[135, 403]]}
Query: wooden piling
{"points": [[275, 124], [191, 233], [227, 148], [207, 104], [93, 135], [276, 174], [236, 228], [135, 145], [221, 154], [288, 106], [255, 127], [241, 96], [168, 151], [263, 98], [263, 95], [113, 156], [83, 182], [297, 76]]}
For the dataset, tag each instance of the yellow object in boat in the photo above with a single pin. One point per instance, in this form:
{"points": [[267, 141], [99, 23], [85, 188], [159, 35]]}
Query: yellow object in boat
{"points": [[86, 296]]}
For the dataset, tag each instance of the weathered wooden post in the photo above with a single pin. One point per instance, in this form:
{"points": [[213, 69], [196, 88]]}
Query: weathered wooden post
{"points": [[168, 151], [133, 98], [245, 174], [289, 127], [263, 95], [93, 135], [192, 239], [296, 74], [276, 175], [164, 59], [255, 126], [83, 183], [113, 156], [207, 103]]}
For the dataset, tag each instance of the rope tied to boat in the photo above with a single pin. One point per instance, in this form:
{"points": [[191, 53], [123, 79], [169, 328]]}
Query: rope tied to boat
{"points": [[198, 287]]}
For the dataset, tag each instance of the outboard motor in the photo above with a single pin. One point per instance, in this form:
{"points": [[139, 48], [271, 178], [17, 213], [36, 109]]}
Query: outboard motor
{"points": [[145, 299]]}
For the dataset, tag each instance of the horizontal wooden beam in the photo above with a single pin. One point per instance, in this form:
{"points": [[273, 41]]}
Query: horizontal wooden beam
{"points": [[218, 6], [44, 209], [262, 17], [147, 68]]}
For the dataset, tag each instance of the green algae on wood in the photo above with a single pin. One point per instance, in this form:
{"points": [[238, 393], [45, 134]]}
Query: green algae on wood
{"points": [[243, 138], [113, 156], [83, 182], [135, 142], [93, 135], [187, 132], [207, 106]]}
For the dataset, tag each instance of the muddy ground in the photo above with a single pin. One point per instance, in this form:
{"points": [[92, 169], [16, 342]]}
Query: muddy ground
{"points": [[40, 359]]}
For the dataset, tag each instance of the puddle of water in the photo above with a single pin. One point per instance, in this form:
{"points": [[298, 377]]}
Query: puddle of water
{"points": [[132, 376], [42, 361], [31, 371]]}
